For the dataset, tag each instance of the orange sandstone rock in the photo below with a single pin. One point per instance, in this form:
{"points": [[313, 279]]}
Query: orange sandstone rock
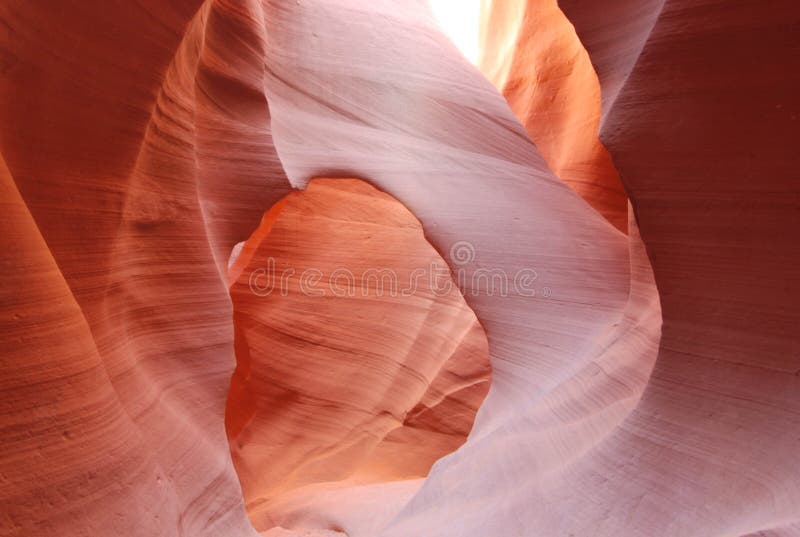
{"points": [[140, 141], [358, 359], [530, 51]]}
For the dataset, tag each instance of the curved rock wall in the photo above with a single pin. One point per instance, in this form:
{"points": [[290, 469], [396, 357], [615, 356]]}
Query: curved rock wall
{"points": [[448, 146], [702, 132], [108, 116], [530, 51], [141, 141]]}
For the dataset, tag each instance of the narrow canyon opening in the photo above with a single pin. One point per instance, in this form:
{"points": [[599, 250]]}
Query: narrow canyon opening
{"points": [[358, 359], [530, 52]]}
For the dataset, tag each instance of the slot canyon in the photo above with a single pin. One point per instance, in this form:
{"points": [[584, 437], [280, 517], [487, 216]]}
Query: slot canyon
{"points": [[400, 268]]}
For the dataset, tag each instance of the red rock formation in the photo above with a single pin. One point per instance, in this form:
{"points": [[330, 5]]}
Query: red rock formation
{"points": [[60, 412], [118, 351], [145, 270], [475, 177], [704, 131], [614, 37], [359, 360], [140, 142], [531, 53]]}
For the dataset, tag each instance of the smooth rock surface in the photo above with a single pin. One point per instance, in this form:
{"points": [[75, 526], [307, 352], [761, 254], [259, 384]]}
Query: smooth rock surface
{"points": [[530, 51], [358, 359], [140, 155], [704, 132], [139, 142], [447, 146]]}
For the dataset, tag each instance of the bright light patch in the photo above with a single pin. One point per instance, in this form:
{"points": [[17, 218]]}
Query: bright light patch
{"points": [[460, 21]]}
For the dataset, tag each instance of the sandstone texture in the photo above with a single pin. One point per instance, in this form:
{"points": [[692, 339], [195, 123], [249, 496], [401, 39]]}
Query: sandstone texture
{"points": [[641, 355], [358, 359], [530, 51]]}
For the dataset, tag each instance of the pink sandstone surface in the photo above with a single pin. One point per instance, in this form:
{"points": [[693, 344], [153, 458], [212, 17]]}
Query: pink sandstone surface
{"points": [[645, 384]]}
